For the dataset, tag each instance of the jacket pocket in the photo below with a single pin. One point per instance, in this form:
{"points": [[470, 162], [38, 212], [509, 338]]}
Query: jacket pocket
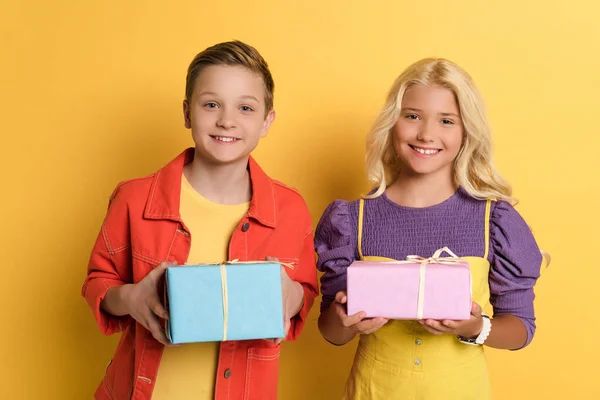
{"points": [[262, 373]]}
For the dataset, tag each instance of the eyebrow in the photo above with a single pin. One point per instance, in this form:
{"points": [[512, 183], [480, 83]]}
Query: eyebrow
{"points": [[250, 97], [242, 97], [419, 110]]}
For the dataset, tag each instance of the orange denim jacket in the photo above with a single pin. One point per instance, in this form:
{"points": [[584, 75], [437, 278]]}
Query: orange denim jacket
{"points": [[143, 227]]}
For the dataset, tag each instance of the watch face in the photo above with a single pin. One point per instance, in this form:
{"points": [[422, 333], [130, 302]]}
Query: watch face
{"points": [[467, 341]]}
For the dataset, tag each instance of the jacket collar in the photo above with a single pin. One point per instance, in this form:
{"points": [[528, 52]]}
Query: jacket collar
{"points": [[165, 191]]}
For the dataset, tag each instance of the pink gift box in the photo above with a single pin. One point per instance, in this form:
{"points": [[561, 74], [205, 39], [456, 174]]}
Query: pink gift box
{"points": [[392, 289]]}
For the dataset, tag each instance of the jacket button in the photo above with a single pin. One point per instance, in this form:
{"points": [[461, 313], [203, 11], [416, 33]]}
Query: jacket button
{"points": [[227, 373], [245, 227]]}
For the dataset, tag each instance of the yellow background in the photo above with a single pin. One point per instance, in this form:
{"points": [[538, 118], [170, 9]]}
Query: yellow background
{"points": [[91, 94]]}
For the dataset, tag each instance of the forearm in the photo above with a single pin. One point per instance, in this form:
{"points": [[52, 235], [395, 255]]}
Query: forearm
{"points": [[508, 332], [114, 302], [332, 329]]}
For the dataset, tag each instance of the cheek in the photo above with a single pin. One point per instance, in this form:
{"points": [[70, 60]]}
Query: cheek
{"points": [[254, 126], [454, 142], [401, 133], [201, 120], [409, 131]]}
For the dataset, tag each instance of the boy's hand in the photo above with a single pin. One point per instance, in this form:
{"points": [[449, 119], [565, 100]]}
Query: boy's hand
{"points": [[357, 322], [143, 304], [470, 328], [293, 299]]}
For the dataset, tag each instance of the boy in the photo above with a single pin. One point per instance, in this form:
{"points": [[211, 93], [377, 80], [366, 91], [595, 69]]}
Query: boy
{"points": [[212, 203]]}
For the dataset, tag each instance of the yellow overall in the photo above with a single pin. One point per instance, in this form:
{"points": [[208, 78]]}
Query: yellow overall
{"points": [[404, 361]]}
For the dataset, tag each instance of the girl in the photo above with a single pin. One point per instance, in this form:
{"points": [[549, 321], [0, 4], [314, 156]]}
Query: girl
{"points": [[429, 157]]}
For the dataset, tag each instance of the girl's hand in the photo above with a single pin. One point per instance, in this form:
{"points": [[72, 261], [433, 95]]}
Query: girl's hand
{"points": [[143, 304], [356, 322], [470, 328]]}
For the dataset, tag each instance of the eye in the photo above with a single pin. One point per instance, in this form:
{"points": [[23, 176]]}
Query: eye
{"points": [[447, 122], [211, 105], [246, 108], [411, 116]]}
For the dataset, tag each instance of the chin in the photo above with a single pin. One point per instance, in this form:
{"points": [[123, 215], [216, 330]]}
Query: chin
{"points": [[424, 170], [227, 158]]}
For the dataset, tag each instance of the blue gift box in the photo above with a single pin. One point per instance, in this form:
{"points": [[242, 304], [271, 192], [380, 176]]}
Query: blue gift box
{"points": [[229, 301]]}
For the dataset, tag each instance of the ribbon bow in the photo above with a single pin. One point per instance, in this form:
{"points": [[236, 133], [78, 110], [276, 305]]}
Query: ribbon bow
{"points": [[435, 258]]}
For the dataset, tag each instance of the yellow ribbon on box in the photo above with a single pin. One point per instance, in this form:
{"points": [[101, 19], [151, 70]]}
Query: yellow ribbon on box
{"points": [[434, 259], [222, 266]]}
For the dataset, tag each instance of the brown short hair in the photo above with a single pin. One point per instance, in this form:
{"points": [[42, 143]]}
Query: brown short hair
{"points": [[231, 53]]}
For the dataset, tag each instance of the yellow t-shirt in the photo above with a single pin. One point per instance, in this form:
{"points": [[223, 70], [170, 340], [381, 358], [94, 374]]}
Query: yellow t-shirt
{"points": [[188, 371]]}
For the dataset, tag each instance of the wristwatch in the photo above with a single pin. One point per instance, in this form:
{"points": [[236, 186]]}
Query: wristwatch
{"points": [[483, 335]]}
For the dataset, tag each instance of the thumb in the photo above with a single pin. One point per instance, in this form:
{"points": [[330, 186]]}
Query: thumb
{"points": [[476, 310], [340, 297], [161, 268]]}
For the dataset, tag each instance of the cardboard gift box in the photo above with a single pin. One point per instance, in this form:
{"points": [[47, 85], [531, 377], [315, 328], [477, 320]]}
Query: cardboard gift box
{"points": [[412, 289], [227, 301]]}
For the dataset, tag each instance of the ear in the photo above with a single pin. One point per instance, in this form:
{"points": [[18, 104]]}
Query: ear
{"points": [[268, 121], [186, 115]]}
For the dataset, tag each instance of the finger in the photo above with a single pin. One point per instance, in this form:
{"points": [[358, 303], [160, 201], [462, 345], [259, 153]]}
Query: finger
{"points": [[370, 326], [157, 332], [366, 325], [450, 324], [157, 308], [269, 258], [280, 340], [374, 329], [340, 297], [286, 329], [349, 320], [437, 325], [476, 310]]}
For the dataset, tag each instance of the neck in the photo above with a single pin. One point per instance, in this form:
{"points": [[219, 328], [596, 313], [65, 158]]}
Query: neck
{"points": [[419, 191], [219, 183]]}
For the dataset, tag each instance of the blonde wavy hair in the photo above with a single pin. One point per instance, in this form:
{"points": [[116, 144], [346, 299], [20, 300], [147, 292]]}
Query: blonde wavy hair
{"points": [[474, 169]]}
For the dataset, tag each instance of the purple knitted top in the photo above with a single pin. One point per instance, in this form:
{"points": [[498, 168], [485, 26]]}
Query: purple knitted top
{"points": [[394, 231]]}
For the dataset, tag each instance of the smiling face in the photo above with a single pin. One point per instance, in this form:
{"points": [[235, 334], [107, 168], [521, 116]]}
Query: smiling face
{"points": [[227, 114], [428, 134]]}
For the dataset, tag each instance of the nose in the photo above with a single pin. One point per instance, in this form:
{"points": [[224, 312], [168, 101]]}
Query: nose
{"points": [[226, 119], [426, 132]]}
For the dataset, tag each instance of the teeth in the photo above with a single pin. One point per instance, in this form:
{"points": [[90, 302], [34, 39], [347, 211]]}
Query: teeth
{"points": [[425, 151], [224, 139]]}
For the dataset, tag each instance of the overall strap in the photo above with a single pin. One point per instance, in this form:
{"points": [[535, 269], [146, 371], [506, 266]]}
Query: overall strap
{"points": [[488, 212], [361, 213]]}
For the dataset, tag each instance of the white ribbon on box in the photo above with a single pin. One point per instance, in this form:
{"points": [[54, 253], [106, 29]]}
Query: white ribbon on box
{"points": [[434, 259]]}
